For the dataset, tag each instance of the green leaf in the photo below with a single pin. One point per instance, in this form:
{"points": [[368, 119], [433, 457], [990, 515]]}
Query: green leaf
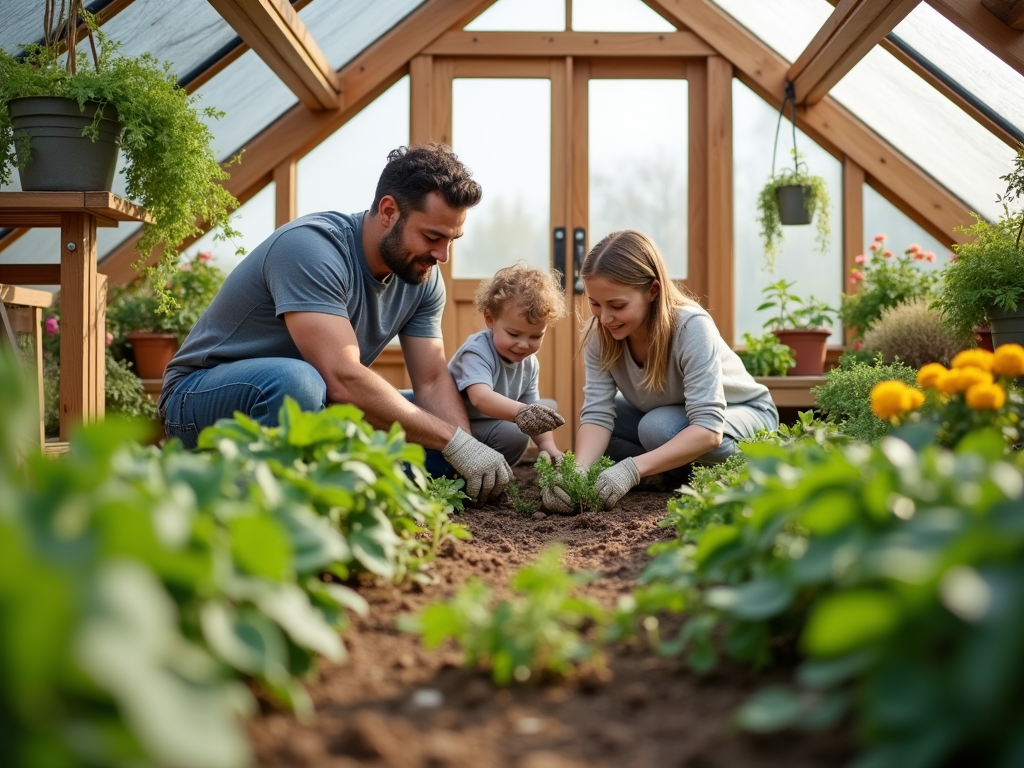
{"points": [[770, 710], [715, 539], [847, 621], [260, 547], [291, 609], [373, 541], [245, 639], [755, 601]]}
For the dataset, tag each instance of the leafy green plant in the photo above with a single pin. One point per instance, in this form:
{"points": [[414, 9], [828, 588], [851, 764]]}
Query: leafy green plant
{"points": [[170, 168], [913, 333], [845, 397], [541, 628], [817, 203], [448, 493], [806, 314], [519, 504], [766, 355], [577, 482], [885, 282]]}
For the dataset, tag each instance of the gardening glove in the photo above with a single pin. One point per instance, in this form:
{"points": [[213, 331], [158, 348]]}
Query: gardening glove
{"points": [[485, 470], [555, 499], [536, 419], [612, 484]]}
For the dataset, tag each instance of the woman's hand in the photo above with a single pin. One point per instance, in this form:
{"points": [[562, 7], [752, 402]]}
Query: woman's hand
{"points": [[554, 498], [616, 481]]}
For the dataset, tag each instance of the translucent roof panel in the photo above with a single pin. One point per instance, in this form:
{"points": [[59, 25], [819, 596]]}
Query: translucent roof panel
{"points": [[520, 16], [21, 21], [787, 26], [965, 61], [883, 218], [617, 16], [343, 28]]}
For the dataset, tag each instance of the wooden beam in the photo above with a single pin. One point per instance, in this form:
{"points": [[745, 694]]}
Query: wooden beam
{"points": [[852, 30], [974, 19], [273, 29], [853, 226], [30, 274], [299, 130], [1010, 12], [25, 297], [721, 279], [284, 193], [569, 44], [697, 266], [905, 185]]}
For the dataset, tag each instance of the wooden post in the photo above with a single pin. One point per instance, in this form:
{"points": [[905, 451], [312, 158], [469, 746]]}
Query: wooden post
{"points": [[284, 193], [721, 288], [78, 347], [37, 345], [853, 225], [100, 403]]}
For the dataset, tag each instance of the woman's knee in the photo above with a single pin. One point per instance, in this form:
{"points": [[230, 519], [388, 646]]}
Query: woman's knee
{"points": [[660, 425]]}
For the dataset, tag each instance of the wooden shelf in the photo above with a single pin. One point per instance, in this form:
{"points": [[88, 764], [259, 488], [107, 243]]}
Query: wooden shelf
{"points": [[44, 209], [791, 391]]}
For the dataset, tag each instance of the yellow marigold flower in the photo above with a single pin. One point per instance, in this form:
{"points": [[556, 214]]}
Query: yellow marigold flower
{"points": [[928, 376], [974, 358], [1008, 360], [961, 379], [891, 398], [984, 397]]}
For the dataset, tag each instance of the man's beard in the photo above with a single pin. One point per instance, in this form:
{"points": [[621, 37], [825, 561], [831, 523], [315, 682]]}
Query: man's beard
{"points": [[408, 268]]}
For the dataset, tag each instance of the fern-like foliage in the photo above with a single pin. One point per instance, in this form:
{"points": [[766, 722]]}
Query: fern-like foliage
{"points": [[573, 479]]}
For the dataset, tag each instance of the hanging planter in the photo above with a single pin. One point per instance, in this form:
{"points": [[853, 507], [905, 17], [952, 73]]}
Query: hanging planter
{"points": [[791, 196], [62, 146]]}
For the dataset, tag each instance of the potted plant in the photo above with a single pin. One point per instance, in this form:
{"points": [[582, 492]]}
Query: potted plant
{"points": [[984, 282], [792, 196], [170, 168], [799, 325], [135, 315], [765, 355]]}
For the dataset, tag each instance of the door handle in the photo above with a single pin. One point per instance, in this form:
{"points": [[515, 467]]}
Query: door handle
{"points": [[559, 249], [579, 251]]}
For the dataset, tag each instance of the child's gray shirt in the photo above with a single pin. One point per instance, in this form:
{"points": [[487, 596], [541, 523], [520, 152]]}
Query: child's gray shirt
{"points": [[478, 362]]}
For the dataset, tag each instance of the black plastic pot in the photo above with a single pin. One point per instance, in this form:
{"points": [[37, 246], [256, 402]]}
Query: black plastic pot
{"points": [[793, 204], [61, 158], [1007, 327]]}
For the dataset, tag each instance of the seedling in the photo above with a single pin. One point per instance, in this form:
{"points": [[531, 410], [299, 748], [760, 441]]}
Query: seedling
{"points": [[519, 504], [578, 483]]}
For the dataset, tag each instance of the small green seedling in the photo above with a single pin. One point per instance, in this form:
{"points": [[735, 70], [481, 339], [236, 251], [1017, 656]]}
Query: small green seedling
{"points": [[448, 493], [576, 482], [519, 504]]}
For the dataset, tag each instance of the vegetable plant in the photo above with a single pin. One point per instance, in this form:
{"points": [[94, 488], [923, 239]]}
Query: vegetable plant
{"points": [[766, 355], [577, 482]]}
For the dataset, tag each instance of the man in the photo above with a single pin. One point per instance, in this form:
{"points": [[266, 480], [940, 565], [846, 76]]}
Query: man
{"points": [[312, 306]]}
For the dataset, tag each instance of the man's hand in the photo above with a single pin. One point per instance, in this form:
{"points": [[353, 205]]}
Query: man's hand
{"points": [[536, 419], [485, 470], [612, 484]]}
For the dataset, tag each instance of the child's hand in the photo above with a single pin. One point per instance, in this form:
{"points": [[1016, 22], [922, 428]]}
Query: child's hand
{"points": [[537, 419]]}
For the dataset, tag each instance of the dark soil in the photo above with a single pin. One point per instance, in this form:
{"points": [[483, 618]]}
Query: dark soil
{"points": [[397, 705]]}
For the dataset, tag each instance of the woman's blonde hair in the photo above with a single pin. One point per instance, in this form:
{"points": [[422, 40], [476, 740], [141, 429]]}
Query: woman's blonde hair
{"points": [[533, 291], [631, 258]]}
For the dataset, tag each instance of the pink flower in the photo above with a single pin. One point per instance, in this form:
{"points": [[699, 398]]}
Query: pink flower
{"points": [[860, 258], [856, 276], [888, 254], [918, 255], [204, 256], [186, 267], [858, 345], [914, 248], [929, 256], [109, 339], [51, 326], [952, 257], [879, 238]]}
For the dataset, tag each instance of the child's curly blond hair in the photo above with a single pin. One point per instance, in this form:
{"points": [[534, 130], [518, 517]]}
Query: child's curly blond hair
{"points": [[533, 291]]}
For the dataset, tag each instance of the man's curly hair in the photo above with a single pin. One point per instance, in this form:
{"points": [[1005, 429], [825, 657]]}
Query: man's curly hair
{"points": [[533, 291]]}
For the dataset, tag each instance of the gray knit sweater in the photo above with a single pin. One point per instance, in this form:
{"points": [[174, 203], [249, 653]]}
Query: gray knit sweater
{"points": [[704, 375]]}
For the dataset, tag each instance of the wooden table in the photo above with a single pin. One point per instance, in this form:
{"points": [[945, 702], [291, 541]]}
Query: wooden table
{"points": [[83, 300], [791, 391]]}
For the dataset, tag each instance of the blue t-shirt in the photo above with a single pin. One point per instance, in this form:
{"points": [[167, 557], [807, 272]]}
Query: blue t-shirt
{"points": [[478, 362], [313, 264]]}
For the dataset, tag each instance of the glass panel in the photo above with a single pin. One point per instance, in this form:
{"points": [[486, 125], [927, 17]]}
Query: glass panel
{"points": [[928, 128], [502, 131], [254, 219], [785, 25], [883, 218], [343, 28], [638, 148], [815, 274], [355, 153], [965, 61], [617, 16], [521, 16], [40, 245]]}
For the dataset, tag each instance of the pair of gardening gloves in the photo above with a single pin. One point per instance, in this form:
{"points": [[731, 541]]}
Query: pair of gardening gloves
{"points": [[611, 485]]}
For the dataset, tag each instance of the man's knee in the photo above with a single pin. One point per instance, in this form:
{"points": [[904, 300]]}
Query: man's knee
{"points": [[504, 437], [301, 382]]}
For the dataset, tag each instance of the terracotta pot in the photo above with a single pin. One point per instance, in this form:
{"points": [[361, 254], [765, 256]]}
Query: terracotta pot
{"points": [[983, 335], [808, 345], [153, 351]]}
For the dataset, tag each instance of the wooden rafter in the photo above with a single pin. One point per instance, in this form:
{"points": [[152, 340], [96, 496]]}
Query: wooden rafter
{"points": [[852, 30], [641, 44], [974, 19], [1010, 12], [926, 201], [297, 131], [274, 30]]}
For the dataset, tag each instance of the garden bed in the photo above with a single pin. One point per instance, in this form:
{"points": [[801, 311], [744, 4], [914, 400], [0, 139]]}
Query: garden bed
{"points": [[647, 711]]}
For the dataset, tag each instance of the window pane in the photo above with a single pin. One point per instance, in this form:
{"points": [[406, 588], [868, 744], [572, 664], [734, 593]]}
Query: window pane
{"points": [[340, 174], [638, 147], [501, 129], [617, 16], [815, 274], [254, 219], [785, 25], [521, 16], [343, 28]]}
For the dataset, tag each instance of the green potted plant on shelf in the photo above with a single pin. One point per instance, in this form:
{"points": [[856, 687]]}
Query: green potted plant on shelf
{"points": [[134, 316], [131, 104], [765, 355], [984, 282], [800, 325]]}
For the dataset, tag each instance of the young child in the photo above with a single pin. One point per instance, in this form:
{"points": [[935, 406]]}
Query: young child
{"points": [[663, 388], [496, 370]]}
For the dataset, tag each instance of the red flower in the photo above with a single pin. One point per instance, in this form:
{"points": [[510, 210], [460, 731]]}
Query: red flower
{"points": [[858, 345], [888, 254], [856, 276], [204, 256], [860, 258], [929, 256]]}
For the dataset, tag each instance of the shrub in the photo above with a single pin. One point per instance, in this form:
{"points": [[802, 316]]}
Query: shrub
{"points": [[914, 333], [845, 397]]}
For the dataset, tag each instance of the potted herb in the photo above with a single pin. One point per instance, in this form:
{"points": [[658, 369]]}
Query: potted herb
{"points": [[799, 325], [170, 168], [765, 355], [792, 196], [134, 315], [984, 282]]}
